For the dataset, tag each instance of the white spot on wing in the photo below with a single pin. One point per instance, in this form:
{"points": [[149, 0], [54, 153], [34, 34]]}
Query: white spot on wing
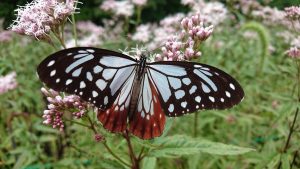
{"points": [[186, 81], [57, 80], [175, 82], [52, 73], [97, 69], [101, 84], [205, 88], [77, 72], [90, 50], [171, 108], [183, 104], [51, 63], [227, 94], [232, 86], [89, 76], [198, 99], [179, 94], [105, 100], [108, 73], [95, 94], [82, 84], [211, 98], [69, 81], [193, 89]]}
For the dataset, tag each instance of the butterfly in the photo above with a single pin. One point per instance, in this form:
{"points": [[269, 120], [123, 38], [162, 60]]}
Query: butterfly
{"points": [[134, 94]]}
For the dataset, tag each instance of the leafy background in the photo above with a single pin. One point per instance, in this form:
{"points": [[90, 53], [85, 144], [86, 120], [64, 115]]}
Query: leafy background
{"points": [[259, 125]]}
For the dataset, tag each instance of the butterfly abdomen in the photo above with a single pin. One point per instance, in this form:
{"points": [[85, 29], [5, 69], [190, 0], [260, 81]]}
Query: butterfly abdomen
{"points": [[136, 87]]}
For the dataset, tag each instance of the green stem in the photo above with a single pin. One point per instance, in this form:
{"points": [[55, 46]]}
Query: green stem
{"points": [[135, 161], [138, 15], [114, 155], [74, 26], [81, 124], [59, 38], [298, 77], [74, 29]]}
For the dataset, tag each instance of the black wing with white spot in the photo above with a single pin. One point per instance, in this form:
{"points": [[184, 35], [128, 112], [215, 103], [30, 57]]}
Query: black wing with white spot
{"points": [[96, 75], [185, 87]]}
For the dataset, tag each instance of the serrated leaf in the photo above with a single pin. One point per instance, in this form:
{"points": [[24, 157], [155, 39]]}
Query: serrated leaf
{"points": [[183, 145], [149, 163]]}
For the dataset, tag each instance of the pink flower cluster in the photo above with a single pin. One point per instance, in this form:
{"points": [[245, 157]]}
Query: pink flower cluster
{"points": [[294, 53], [58, 105], [293, 12], [8, 82], [38, 17], [186, 45]]}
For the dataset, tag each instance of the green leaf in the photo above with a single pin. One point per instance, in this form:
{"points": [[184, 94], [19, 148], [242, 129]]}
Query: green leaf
{"points": [[183, 145], [149, 163], [285, 161], [274, 162]]}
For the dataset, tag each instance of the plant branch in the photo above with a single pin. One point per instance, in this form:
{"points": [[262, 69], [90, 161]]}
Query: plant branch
{"points": [[287, 143], [135, 161]]}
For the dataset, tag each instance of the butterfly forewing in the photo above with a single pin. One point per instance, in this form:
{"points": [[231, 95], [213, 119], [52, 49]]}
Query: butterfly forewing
{"points": [[96, 75], [185, 87]]}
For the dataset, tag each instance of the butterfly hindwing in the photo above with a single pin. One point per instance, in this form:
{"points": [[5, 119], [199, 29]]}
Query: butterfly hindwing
{"points": [[186, 87], [149, 119], [114, 118], [96, 75]]}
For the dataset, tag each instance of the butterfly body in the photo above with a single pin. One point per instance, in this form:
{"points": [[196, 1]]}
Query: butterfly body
{"points": [[136, 95]]}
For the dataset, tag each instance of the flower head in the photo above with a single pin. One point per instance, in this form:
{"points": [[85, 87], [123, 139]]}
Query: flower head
{"points": [[139, 2], [8, 82], [185, 45], [292, 12], [142, 33], [119, 8], [58, 105], [99, 137], [294, 53], [38, 17]]}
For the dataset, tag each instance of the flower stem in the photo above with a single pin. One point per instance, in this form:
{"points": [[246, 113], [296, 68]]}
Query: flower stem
{"points": [[138, 15], [114, 155], [74, 29], [135, 161], [292, 129]]}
